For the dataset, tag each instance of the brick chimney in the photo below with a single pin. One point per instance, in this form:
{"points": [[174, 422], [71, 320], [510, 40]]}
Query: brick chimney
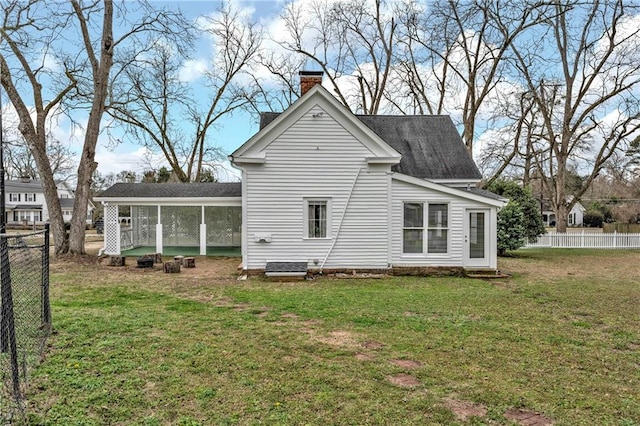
{"points": [[308, 79]]}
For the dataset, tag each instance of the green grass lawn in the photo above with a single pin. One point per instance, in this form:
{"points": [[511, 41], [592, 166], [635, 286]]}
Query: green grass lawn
{"points": [[561, 339]]}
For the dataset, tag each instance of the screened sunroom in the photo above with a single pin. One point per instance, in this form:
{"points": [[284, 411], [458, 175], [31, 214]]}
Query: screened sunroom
{"points": [[172, 218]]}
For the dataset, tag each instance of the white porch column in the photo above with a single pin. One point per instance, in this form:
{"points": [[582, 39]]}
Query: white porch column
{"points": [[159, 233], [203, 239]]}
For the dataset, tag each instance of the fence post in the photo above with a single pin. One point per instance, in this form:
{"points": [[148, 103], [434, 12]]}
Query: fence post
{"points": [[615, 238], [582, 239], [46, 307]]}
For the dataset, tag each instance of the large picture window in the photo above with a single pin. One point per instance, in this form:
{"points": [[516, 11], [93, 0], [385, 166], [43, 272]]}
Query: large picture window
{"points": [[317, 218], [413, 229], [438, 228]]}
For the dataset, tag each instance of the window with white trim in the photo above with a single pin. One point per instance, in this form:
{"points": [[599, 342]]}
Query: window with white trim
{"points": [[437, 228], [14, 198], [413, 228], [29, 197], [317, 218]]}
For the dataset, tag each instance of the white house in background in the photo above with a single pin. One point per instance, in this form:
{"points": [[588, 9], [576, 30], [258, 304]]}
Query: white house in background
{"points": [[324, 189], [575, 218], [25, 203]]}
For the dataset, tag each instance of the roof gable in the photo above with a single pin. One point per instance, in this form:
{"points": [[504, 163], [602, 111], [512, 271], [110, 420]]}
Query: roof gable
{"points": [[273, 125], [430, 145]]}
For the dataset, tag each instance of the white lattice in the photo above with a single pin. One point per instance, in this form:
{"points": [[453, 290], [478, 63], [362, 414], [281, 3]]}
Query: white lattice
{"points": [[111, 230]]}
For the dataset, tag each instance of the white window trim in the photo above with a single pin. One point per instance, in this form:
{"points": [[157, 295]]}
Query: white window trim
{"points": [[425, 230], [306, 201]]}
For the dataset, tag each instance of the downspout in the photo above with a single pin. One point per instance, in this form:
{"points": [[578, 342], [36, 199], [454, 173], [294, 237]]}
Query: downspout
{"points": [[344, 213], [245, 238]]}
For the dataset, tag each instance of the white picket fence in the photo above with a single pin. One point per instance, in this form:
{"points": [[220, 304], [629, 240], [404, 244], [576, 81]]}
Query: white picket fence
{"points": [[587, 240]]}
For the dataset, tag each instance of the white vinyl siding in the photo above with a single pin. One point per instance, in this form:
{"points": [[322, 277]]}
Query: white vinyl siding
{"points": [[316, 159]]}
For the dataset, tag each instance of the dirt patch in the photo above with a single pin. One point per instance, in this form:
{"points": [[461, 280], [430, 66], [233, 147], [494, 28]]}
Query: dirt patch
{"points": [[527, 418], [370, 344], [465, 409], [403, 380], [406, 363], [289, 315]]}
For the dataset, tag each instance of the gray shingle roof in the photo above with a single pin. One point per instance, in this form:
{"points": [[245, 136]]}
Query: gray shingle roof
{"points": [[430, 145], [173, 190]]}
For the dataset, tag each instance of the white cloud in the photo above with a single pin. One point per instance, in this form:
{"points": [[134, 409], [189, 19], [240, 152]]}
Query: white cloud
{"points": [[192, 70]]}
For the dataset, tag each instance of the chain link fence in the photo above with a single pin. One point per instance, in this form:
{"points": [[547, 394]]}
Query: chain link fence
{"points": [[25, 315]]}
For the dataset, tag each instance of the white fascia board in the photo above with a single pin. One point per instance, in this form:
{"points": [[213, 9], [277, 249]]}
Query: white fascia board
{"points": [[173, 201], [316, 96], [383, 160], [253, 159], [448, 190], [456, 182]]}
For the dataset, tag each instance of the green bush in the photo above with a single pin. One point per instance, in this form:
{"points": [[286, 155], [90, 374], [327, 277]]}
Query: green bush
{"points": [[511, 228]]}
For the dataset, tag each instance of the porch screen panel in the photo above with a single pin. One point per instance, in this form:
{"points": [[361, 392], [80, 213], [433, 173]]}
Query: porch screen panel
{"points": [[224, 225], [180, 225], [143, 223]]}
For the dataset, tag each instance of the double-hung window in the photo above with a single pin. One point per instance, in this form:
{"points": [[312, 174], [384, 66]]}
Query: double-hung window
{"points": [[436, 227], [29, 197], [14, 198], [317, 218]]}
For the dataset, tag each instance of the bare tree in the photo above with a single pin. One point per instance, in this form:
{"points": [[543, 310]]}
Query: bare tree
{"points": [[20, 162], [453, 56], [78, 38], [352, 42], [154, 104], [584, 81]]}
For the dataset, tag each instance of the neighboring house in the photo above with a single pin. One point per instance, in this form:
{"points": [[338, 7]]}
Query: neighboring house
{"points": [[575, 217], [325, 189], [25, 203]]}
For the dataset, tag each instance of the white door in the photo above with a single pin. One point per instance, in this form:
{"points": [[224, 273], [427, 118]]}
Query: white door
{"points": [[476, 239]]}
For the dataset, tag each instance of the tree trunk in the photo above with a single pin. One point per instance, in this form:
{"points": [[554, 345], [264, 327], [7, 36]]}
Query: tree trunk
{"points": [[561, 217], [100, 69]]}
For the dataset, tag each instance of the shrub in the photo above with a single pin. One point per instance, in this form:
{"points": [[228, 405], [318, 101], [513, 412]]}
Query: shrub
{"points": [[511, 229], [593, 219]]}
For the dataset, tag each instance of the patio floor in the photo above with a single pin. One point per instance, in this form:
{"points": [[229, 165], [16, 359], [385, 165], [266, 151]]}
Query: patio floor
{"points": [[184, 251]]}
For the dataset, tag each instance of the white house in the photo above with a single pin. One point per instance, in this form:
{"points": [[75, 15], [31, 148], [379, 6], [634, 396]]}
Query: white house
{"points": [[324, 189], [575, 217], [25, 203]]}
